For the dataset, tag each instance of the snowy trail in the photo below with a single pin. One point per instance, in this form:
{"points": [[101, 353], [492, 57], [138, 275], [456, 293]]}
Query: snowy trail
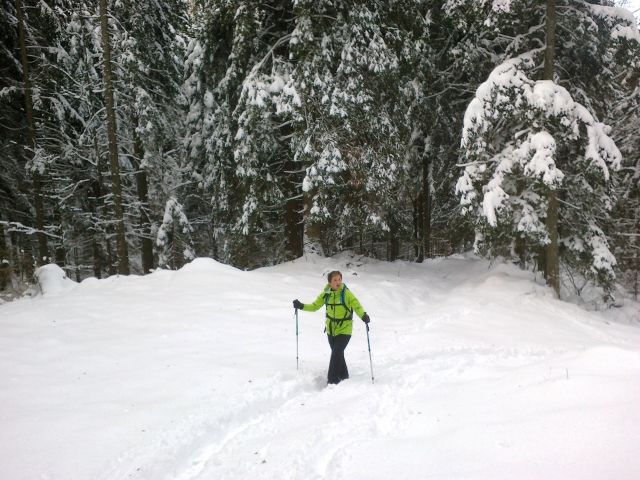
{"points": [[479, 374]]}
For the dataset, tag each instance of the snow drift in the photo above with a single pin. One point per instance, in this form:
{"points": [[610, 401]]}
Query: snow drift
{"points": [[480, 373]]}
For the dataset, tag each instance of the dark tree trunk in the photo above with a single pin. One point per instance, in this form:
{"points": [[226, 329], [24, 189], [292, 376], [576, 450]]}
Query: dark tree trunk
{"points": [[97, 258], [77, 261], [424, 208], [5, 263], [520, 244], [60, 253], [552, 256], [94, 207], [294, 225], [419, 225], [294, 220], [110, 258], [123, 251], [43, 249], [312, 232], [393, 244], [142, 184], [426, 214]]}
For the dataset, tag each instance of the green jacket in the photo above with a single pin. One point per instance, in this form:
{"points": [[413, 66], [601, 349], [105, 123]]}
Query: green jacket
{"points": [[338, 316]]}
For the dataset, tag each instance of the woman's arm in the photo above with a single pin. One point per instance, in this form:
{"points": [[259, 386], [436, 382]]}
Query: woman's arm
{"points": [[316, 305]]}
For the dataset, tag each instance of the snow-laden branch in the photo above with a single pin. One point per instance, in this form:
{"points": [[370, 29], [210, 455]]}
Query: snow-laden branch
{"points": [[622, 20], [21, 228], [509, 90]]}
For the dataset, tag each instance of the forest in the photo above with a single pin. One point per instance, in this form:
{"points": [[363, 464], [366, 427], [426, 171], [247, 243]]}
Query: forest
{"points": [[137, 135]]}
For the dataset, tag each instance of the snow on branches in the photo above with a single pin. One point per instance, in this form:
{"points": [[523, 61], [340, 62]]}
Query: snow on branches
{"points": [[523, 138]]}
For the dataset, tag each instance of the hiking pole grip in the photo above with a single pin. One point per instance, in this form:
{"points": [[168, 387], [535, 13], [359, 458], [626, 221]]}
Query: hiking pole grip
{"points": [[297, 358], [369, 345]]}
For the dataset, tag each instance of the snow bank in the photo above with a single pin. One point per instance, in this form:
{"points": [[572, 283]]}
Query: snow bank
{"points": [[52, 280], [191, 375]]}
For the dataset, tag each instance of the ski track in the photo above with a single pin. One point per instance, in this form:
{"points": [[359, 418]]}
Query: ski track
{"points": [[276, 404], [200, 437], [211, 449], [385, 412]]}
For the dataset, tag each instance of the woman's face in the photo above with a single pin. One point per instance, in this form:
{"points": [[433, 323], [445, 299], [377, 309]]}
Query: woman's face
{"points": [[336, 282]]}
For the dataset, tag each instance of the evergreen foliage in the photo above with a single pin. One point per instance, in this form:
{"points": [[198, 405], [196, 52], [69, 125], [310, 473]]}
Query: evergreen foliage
{"points": [[256, 131], [525, 137]]}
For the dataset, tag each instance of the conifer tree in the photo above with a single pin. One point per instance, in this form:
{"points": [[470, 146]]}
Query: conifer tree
{"points": [[238, 127], [43, 251], [352, 137], [150, 51], [524, 138], [114, 160]]}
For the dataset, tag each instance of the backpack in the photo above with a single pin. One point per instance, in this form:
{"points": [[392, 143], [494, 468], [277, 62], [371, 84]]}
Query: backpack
{"points": [[349, 311]]}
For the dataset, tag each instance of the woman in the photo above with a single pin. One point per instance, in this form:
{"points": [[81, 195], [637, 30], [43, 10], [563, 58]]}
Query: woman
{"points": [[341, 304]]}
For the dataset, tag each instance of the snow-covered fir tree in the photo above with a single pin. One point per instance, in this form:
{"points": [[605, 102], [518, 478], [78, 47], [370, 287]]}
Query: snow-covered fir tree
{"points": [[453, 48], [524, 137], [147, 51], [254, 131], [31, 114], [15, 204], [352, 137], [82, 169], [150, 52], [239, 125]]}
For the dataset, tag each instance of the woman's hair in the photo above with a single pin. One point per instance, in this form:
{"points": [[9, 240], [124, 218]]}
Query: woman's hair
{"points": [[333, 274]]}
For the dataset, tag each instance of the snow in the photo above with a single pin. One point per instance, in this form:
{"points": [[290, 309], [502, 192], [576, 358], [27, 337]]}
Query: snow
{"points": [[51, 279], [502, 5], [191, 374], [508, 87], [623, 21], [508, 92], [627, 32]]}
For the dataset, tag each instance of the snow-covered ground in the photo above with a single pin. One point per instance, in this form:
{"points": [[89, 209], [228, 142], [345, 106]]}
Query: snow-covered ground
{"points": [[479, 374]]}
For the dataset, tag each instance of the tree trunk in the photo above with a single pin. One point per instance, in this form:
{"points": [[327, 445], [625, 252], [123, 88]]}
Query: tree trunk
{"points": [[43, 250], [552, 256], [94, 208], [294, 221], [5, 265], [142, 184], [424, 207], [111, 260], [97, 258], [393, 243], [177, 259], [312, 232], [520, 244], [77, 261], [59, 252], [123, 253], [418, 226], [426, 212]]}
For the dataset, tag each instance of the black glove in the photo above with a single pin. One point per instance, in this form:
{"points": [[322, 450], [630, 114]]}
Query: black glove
{"points": [[365, 318], [298, 304]]}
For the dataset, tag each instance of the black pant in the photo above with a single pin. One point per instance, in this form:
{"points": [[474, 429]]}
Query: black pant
{"points": [[337, 365]]}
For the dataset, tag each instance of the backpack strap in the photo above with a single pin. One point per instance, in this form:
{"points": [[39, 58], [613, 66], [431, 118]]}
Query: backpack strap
{"points": [[349, 312]]}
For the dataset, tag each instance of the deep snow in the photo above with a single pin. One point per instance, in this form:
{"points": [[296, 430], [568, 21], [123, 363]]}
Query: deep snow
{"points": [[480, 374]]}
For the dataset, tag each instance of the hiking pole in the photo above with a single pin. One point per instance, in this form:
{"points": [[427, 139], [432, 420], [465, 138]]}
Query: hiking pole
{"points": [[297, 361], [369, 344]]}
